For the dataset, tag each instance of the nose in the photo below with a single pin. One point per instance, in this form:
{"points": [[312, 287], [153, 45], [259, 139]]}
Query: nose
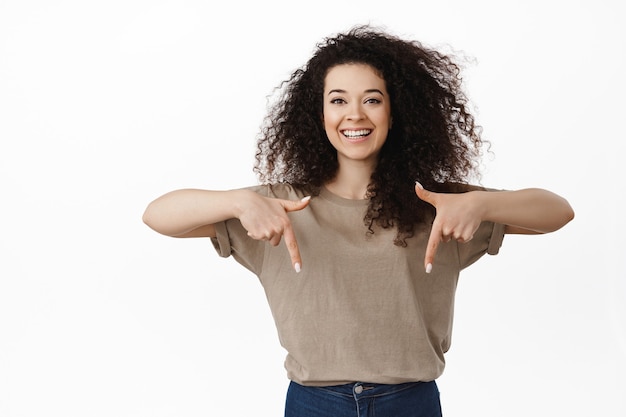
{"points": [[355, 112]]}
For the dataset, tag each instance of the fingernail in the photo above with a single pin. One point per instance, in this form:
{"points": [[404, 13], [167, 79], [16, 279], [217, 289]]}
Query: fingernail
{"points": [[419, 185], [429, 268], [307, 198], [297, 267]]}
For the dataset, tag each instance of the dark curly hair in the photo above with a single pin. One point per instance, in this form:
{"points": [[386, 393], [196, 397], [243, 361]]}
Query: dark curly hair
{"points": [[434, 138]]}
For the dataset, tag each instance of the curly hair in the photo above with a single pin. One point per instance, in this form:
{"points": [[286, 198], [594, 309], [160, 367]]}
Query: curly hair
{"points": [[434, 139]]}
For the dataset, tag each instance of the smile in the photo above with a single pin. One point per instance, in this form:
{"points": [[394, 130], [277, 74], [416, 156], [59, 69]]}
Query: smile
{"points": [[356, 134]]}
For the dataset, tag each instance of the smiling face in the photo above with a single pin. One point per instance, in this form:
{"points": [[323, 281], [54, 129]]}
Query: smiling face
{"points": [[357, 112]]}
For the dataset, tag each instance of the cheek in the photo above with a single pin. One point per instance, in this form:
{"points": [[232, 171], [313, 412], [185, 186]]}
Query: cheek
{"points": [[386, 116], [330, 121]]}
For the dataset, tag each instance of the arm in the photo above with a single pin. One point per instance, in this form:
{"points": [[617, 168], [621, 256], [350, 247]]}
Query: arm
{"points": [[193, 213], [529, 211]]}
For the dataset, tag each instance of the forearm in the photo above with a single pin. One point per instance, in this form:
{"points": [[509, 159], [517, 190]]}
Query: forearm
{"points": [[182, 211], [530, 210]]}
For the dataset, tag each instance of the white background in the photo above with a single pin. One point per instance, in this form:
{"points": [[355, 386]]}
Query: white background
{"points": [[106, 105]]}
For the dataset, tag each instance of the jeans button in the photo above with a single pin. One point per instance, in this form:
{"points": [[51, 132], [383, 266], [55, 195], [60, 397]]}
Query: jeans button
{"points": [[358, 389]]}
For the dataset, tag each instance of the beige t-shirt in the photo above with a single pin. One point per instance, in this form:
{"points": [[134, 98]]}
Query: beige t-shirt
{"points": [[362, 308]]}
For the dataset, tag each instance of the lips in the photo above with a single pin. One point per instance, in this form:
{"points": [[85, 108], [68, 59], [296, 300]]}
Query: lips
{"points": [[357, 134]]}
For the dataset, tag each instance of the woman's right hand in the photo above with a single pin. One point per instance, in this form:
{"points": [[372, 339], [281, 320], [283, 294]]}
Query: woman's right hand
{"points": [[193, 213], [266, 218]]}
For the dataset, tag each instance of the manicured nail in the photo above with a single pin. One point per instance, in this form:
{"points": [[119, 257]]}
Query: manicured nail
{"points": [[429, 268], [297, 267], [307, 198], [419, 185]]}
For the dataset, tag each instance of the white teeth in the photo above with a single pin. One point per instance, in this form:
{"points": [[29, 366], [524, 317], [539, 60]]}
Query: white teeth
{"points": [[356, 133]]}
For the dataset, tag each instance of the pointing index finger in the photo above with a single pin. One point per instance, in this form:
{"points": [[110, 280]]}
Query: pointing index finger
{"points": [[431, 248], [292, 247]]}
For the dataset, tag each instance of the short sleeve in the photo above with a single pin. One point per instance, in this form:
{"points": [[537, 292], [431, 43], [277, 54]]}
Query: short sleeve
{"points": [[487, 239], [221, 243], [232, 239]]}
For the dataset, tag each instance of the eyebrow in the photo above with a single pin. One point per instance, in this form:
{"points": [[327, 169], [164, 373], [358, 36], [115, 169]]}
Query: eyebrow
{"points": [[371, 90]]}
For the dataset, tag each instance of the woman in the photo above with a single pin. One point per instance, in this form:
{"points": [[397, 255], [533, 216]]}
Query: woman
{"points": [[362, 262]]}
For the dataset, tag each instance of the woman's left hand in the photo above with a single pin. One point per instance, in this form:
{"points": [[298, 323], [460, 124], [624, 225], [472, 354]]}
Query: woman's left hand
{"points": [[458, 217]]}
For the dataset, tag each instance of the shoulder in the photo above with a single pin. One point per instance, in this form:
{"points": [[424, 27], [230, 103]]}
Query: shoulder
{"points": [[278, 190], [456, 188]]}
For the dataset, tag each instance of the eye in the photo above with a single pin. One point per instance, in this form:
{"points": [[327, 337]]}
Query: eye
{"points": [[372, 101], [337, 101]]}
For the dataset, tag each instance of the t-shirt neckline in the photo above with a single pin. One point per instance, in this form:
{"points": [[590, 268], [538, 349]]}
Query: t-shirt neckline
{"points": [[326, 194]]}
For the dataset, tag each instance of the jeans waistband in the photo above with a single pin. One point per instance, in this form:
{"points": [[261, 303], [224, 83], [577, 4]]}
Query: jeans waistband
{"points": [[366, 389]]}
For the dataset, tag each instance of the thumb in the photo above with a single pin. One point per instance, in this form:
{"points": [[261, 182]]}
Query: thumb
{"points": [[295, 205], [427, 196]]}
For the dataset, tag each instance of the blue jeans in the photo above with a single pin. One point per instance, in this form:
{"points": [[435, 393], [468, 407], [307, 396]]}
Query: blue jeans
{"points": [[413, 399]]}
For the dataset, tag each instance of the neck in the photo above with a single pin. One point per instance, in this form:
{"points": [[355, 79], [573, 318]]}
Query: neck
{"points": [[351, 181]]}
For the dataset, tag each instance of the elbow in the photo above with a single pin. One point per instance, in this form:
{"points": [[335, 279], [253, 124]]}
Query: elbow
{"points": [[569, 214], [160, 218], [559, 214], [150, 217], [566, 215], [147, 219]]}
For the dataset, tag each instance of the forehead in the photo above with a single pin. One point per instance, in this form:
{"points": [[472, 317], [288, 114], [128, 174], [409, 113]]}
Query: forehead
{"points": [[353, 76]]}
